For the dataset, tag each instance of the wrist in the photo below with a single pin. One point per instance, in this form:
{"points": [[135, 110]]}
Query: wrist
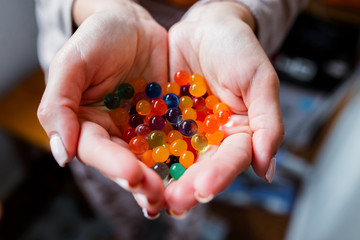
{"points": [[82, 9], [218, 10]]}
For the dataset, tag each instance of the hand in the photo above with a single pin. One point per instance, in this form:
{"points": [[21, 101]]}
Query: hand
{"points": [[216, 40], [116, 41]]}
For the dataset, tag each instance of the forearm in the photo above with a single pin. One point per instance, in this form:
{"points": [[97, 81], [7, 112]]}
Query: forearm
{"points": [[82, 9]]}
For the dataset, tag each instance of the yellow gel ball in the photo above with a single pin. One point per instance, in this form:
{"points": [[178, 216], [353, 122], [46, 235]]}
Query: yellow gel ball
{"points": [[178, 147], [187, 159], [160, 154]]}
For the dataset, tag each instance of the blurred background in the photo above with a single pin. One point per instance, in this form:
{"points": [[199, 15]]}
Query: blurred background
{"points": [[316, 187]]}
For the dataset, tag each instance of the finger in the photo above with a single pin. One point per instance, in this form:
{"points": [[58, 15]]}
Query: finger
{"points": [[58, 108], [211, 175], [112, 157], [265, 118]]}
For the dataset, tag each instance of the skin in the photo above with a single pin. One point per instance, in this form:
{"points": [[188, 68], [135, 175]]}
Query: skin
{"points": [[118, 40]]}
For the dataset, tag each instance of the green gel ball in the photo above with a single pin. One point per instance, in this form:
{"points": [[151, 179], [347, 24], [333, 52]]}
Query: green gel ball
{"points": [[112, 101], [177, 170], [125, 91]]}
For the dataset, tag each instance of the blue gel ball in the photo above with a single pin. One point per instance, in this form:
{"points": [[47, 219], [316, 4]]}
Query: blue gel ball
{"points": [[188, 128], [173, 115], [171, 100], [153, 90]]}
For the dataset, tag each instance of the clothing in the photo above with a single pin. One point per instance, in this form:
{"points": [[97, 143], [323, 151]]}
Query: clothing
{"points": [[55, 28]]}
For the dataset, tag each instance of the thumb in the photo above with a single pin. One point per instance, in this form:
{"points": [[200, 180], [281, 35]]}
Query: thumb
{"points": [[58, 108]]}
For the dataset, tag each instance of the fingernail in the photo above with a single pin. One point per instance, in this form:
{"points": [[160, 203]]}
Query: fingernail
{"points": [[271, 170], [125, 184], [58, 150], [150, 216], [201, 199], [141, 199], [174, 214]]}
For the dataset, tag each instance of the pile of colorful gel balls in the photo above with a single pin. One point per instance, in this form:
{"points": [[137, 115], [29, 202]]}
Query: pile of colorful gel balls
{"points": [[168, 126]]}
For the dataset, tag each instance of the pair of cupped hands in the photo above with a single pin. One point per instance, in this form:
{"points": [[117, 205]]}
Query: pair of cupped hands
{"points": [[118, 40]]}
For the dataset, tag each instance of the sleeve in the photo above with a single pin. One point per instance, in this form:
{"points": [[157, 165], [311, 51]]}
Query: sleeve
{"points": [[273, 19], [54, 22]]}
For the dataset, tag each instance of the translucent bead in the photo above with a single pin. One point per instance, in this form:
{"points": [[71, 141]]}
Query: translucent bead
{"points": [[195, 78], [187, 159], [211, 101], [177, 147], [174, 135], [159, 106], [199, 142], [223, 116], [177, 170], [125, 91], [157, 123], [139, 84], [147, 158], [171, 87], [112, 101], [135, 120], [161, 169], [210, 124], [153, 90], [138, 145], [171, 100], [148, 117], [168, 127], [181, 77], [143, 107], [173, 115], [215, 138], [143, 130], [189, 113], [120, 116], [188, 128], [199, 103], [185, 90], [185, 102], [197, 89], [160, 154], [128, 134], [156, 138], [220, 106]]}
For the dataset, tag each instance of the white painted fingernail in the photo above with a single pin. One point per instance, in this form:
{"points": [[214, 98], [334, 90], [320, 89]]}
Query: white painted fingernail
{"points": [[271, 170], [203, 199], [123, 183], [58, 150], [141, 199], [149, 216]]}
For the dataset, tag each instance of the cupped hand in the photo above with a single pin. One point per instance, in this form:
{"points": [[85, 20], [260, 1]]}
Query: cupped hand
{"points": [[113, 44], [217, 41]]}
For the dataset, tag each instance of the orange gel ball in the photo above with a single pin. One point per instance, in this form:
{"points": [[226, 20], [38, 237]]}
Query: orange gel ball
{"points": [[189, 113], [187, 159], [143, 107], [178, 147], [160, 154], [147, 158], [181, 77], [139, 84], [210, 124], [211, 101], [185, 102], [215, 138], [223, 116], [220, 106], [120, 116], [197, 89], [174, 135], [171, 87], [138, 145]]}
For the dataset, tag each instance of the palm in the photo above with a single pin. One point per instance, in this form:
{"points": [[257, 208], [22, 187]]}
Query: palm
{"points": [[238, 72], [102, 53]]}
